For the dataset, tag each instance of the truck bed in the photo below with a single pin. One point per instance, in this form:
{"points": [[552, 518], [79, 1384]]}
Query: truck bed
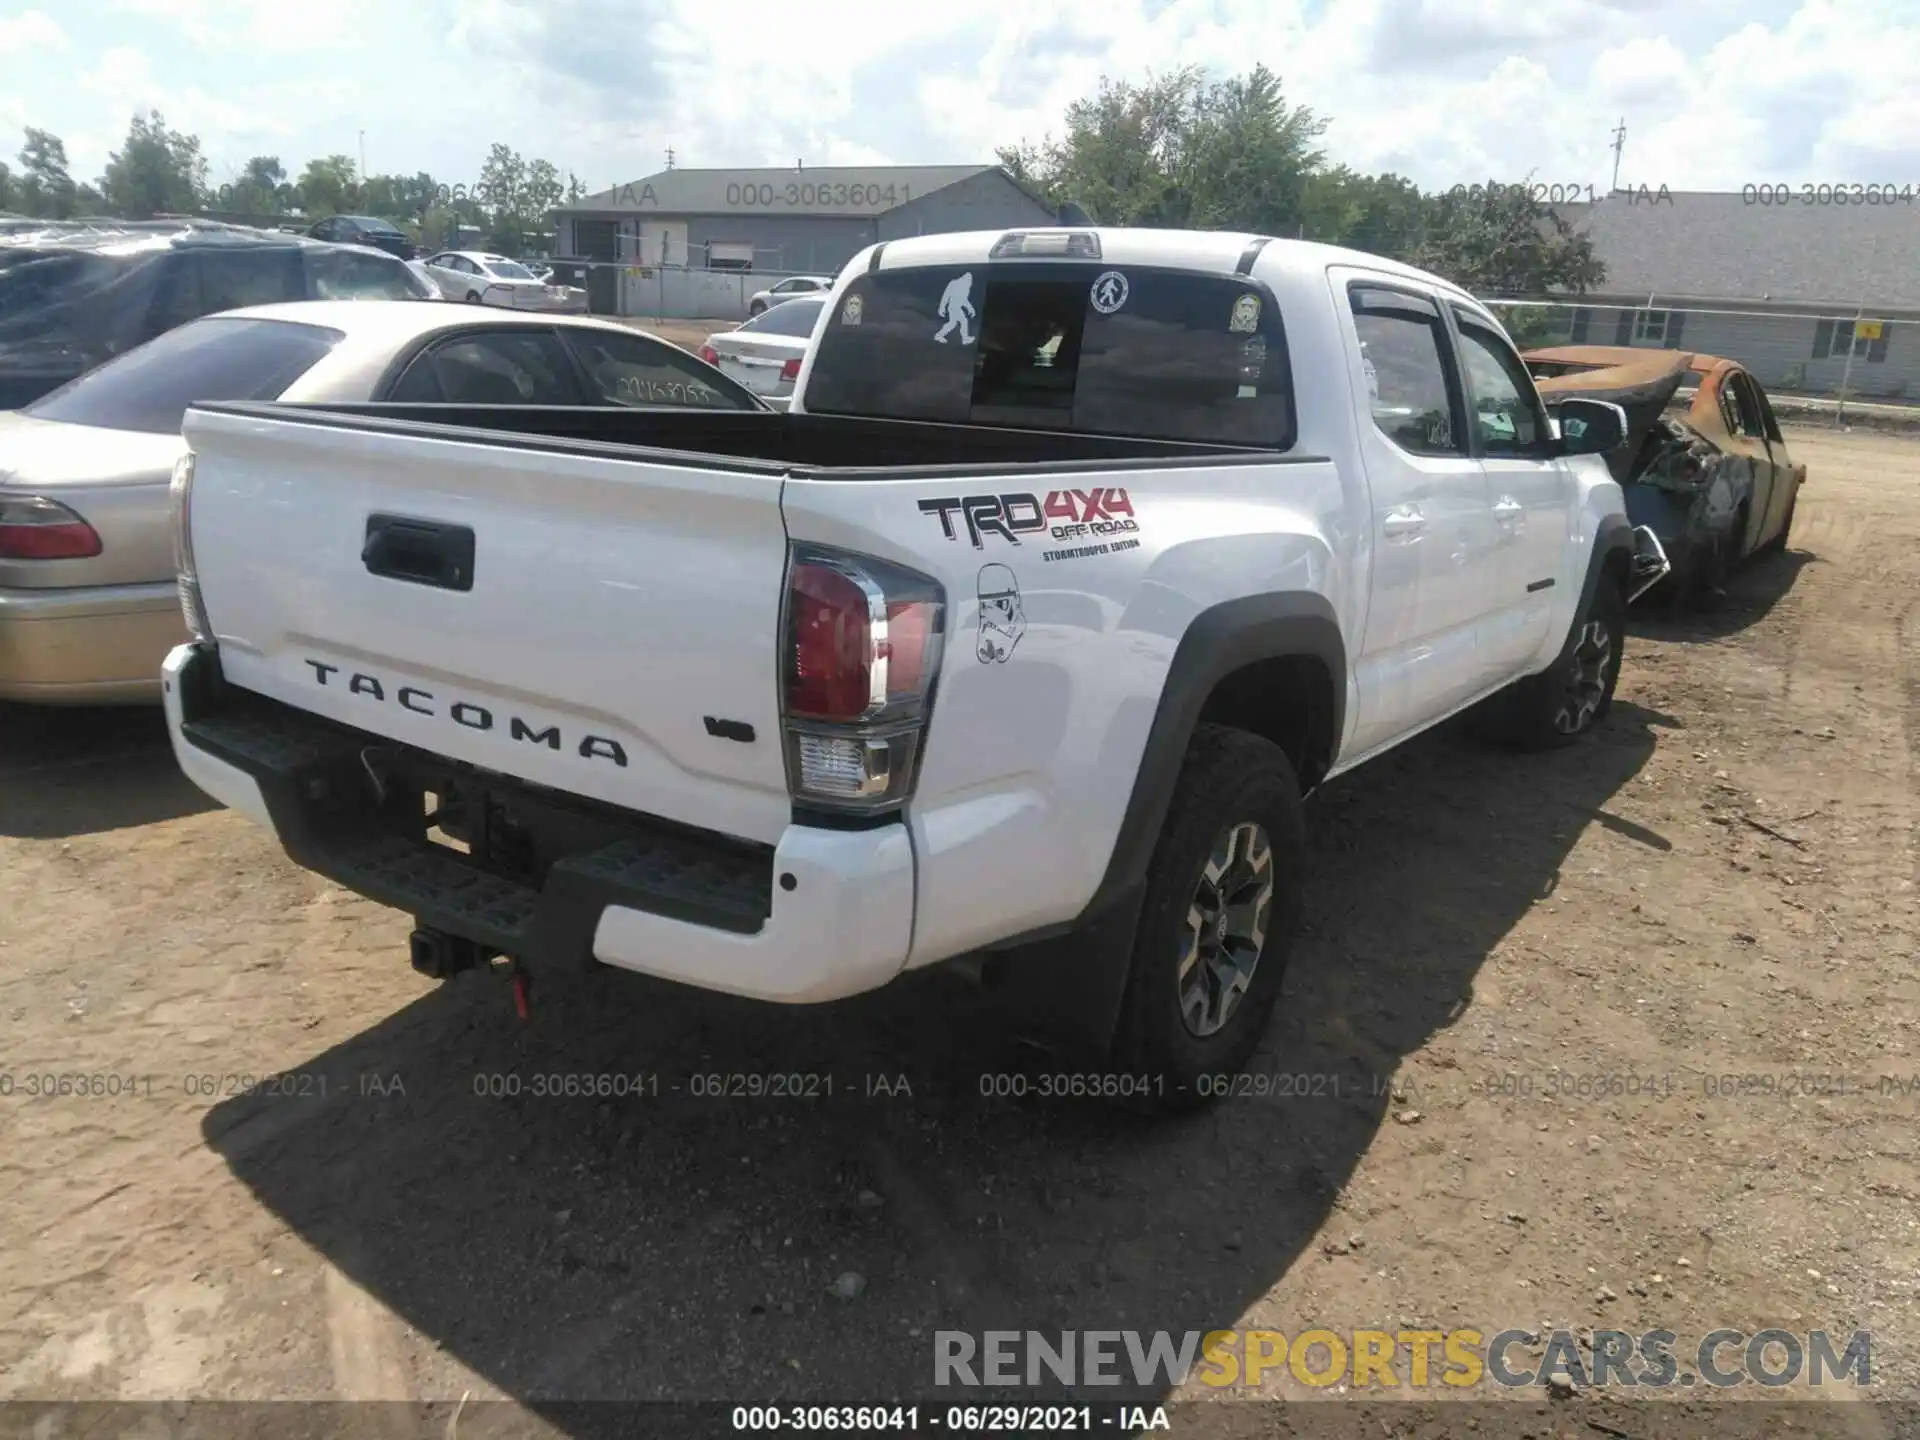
{"points": [[772, 441]]}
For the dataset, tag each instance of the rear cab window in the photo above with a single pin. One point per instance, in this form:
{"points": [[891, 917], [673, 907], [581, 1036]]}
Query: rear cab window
{"points": [[1117, 350]]}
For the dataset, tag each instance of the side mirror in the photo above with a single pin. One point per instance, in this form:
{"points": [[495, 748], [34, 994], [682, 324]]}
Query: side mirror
{"points": [[1589, 427]]}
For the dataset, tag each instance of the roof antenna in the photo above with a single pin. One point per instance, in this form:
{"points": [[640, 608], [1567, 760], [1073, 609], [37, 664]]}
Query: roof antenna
{"points": [[1619, 144], [799, 163], [669, 157]]}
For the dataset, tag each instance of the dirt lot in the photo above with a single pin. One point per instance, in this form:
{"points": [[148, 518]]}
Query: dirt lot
{"points": [[1552, 959], [687, 334]]}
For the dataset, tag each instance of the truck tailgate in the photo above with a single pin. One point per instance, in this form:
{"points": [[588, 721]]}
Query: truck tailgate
{"points": [[614, 609]]}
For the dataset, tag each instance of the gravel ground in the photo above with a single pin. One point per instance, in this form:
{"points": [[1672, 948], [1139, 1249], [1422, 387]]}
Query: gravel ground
{"points": [[1522, 983]]}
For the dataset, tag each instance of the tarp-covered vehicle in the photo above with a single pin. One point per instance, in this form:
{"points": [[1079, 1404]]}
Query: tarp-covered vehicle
{"points": [[1715, 481], [76, 294]]}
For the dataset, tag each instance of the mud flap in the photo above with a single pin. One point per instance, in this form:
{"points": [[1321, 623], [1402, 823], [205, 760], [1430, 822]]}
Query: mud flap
{"points": [[1066, 992]]}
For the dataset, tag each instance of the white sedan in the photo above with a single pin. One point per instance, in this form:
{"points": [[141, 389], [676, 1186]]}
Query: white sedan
{"points": [[88, 607], [765, 353], [480, 278], [791, 288]]}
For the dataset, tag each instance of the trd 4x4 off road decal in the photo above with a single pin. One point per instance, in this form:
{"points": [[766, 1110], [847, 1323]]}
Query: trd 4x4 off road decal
{"points": [[1064, 515]]}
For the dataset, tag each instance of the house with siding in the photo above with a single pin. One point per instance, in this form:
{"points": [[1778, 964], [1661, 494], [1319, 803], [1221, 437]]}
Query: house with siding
{"points": [[1802, 293]]}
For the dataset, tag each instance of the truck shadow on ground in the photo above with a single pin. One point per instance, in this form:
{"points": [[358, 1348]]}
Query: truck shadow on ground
{"points": [[1752, 590], [678, 1244], [73, 771]]}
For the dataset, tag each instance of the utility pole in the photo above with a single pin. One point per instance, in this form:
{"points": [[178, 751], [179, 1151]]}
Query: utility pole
{"points": [[363, 157], [1619, 144]]}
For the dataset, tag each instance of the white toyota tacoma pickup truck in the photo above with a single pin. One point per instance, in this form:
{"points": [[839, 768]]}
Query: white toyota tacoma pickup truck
{"points": [[1081, 556]]}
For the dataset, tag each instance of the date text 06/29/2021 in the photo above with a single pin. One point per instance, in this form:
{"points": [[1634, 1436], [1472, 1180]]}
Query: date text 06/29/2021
{"points": [[990, 1419]]}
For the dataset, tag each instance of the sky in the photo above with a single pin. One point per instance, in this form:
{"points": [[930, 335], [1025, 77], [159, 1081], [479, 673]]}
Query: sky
{"points": [[1715, 94]]}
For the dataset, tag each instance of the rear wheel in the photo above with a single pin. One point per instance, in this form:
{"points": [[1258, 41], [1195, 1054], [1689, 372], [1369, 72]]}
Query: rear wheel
{"points": [[757, 308], [473, 297], [1217, 923], [1566, 700]]}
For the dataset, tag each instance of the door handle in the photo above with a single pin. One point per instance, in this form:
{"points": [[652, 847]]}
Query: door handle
{"points": [[1403, 522], [420, 552]]}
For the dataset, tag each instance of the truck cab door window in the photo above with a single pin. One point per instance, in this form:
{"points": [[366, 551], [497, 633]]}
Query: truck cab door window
{"points": [[1507, 418]]}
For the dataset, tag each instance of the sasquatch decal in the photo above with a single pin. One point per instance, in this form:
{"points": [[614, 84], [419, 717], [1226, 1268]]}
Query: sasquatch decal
{"points": [[1002, 618]]}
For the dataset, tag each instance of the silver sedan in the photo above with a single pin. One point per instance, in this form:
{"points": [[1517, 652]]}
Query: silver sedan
{"points": [[88, 607], [765, 353]]}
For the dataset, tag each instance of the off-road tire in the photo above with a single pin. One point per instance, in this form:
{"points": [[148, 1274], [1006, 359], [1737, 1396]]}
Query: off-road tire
{"points": [[1229, 780], [1560, 704]]}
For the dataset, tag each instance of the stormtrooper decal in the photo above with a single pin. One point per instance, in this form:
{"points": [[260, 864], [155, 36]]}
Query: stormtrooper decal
{"points": [[1002, 619], [956, 308]]}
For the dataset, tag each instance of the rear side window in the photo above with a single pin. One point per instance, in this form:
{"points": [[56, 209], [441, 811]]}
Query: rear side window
{"points": [[358, 275], [150, 388], [501, 367], [196, 282], [232, 279], [1154, 353], [632, 370], [1403, 348]]}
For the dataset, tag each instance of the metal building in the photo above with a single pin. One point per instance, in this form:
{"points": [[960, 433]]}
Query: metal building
{"points": [[770, 222]]}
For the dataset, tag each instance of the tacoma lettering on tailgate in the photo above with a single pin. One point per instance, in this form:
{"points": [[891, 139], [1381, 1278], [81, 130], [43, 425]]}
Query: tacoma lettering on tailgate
{"points": [[467, 713]]}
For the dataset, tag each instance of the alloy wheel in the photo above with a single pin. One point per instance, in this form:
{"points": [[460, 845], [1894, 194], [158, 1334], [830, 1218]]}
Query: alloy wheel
{"points": [[1586, 679], [1226, 928]]}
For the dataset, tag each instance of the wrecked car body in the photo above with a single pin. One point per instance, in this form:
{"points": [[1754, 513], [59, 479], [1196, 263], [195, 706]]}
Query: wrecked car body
{"points": [[1713, 481]]}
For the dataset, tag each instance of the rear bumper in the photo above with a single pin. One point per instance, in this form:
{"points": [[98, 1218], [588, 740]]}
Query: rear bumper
{"points": [[90, 645], [821, 915]]}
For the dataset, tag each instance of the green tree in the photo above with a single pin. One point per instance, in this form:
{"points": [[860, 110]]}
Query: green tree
{"points": [[7, 198], [1181, 150], [261, 188], [576, 192], [45, 188], [328, 186], [502, 191], [1185, 151], [1499, 240], [155, 171]]}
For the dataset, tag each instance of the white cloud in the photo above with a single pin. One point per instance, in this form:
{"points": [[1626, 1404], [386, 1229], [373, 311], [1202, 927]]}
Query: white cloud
{"points": [[29, 31], [262, 25], [1715, 93]]}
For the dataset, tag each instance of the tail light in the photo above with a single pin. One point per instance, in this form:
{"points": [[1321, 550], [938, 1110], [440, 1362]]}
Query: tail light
{"points": [[710, 355], [863, 642], [791, 370], [35, 528], [180, 501]]}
